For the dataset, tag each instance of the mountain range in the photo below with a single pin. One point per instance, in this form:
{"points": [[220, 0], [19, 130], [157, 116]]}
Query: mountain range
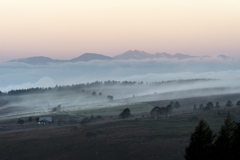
{"points": [[129, 55]]}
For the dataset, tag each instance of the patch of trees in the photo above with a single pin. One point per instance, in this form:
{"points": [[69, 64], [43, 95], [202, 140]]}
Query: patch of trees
{"points": [[109, 97], [83, 86], [161, 111], [210, 106], [126, 113], [206, 145], [175, 105]]}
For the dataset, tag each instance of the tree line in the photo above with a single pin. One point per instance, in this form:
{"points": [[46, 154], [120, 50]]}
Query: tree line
{"points": [[83, 86], [211, 106]]}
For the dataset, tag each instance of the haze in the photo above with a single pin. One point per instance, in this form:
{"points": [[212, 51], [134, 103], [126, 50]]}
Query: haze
{"points": [[66, 29]]}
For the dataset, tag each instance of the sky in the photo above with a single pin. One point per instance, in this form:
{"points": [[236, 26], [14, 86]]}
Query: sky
{"points": [[65, 29]]}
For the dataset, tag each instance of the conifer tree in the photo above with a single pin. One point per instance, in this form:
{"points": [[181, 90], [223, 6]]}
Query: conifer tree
{"points": [[223, 145], [201, 141], [236, 142]]}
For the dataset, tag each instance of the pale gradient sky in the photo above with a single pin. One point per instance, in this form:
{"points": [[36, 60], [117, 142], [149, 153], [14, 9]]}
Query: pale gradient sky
{"points": [[65, 29]]}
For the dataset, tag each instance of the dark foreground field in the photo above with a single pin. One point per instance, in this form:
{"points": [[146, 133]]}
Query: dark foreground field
{"points": [[164, 138]]}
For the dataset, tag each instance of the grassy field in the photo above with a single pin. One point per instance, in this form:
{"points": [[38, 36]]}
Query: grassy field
{"points": [[137, 138]]}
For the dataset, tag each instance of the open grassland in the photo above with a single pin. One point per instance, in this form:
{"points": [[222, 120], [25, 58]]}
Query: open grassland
{"points": [[137, 138]]}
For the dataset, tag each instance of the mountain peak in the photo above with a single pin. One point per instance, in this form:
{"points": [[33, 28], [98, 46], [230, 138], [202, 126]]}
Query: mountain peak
{"points": [[133, 55], [90, 56]]}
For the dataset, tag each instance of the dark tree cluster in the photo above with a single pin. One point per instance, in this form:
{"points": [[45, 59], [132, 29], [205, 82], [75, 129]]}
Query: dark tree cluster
{"points": [[205, 145], [83, 87], [158, 111], [210, 106], [175, 105], [126, 113], [110, 97]]}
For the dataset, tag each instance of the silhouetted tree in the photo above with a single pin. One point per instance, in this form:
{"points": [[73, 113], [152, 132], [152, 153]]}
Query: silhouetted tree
{"points": [[37, 119], [195, 107], [229, 104], [110, 97], [236, 142], [177, 105], [30, 119], [169, 109], [201, 141], [209, 106], [94, 93], [217, 105], [223, 144], [171, 103], [238, 104], [100, 94], [155, 112], [201, 107], [125, 113]]}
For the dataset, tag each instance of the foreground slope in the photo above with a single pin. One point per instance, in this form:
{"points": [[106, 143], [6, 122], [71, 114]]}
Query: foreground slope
{"points": [[143, 138]]}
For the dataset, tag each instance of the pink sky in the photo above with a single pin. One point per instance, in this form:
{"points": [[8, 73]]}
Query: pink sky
{"points": [[66, 29]]}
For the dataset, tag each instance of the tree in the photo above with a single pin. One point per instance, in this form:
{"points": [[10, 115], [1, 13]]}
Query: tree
{"points": [[29, 119], [201, 107], [177, 105], [201, 141], [229, 104], [217, 105], [236, 142], [223, 144], [94, 93], [100, 94], [209, 106], [195, 107], [110, 97], [155, 112], [172, 103], [37, 119], [125, 113], [169, 109], [238, 104]]}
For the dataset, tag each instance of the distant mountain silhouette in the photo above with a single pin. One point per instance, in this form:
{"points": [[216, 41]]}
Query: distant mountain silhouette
{"points": [[162, 55], [133, 55], [143, 55], [129, 55], [224, 57], [37, 60], [182, 56], [45, 60], [90, 56]]}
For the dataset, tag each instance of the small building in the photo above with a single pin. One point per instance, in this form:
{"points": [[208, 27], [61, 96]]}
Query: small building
{"points": [[45, 120]]}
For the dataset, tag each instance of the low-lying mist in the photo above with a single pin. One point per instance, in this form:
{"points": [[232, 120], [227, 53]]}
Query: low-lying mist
{"points": [[20, 75], [223, 74]]}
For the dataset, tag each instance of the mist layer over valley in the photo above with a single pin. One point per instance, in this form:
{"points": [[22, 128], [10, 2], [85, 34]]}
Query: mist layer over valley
{"points": [[149, 82]]}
